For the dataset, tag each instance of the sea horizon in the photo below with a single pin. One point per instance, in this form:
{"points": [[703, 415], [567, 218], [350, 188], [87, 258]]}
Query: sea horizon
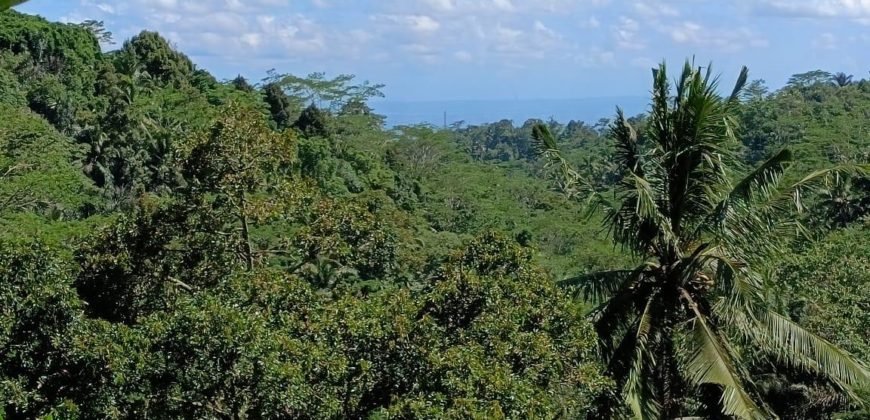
{"points": [[481, 111]]}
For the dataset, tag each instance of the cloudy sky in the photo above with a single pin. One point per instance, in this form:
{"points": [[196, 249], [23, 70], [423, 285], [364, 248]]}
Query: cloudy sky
{"points": [[495, 49]]}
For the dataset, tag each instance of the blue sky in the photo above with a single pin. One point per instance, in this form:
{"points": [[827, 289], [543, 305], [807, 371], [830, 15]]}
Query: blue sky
{"points": [[495, 49]]}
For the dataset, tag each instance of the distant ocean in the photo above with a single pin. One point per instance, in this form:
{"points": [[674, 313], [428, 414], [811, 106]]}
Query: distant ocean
{"points": [[474, 112]]}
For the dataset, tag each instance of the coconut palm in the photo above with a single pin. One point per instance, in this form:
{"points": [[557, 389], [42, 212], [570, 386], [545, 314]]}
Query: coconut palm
{"points": [[682, 323], [842, 79]]}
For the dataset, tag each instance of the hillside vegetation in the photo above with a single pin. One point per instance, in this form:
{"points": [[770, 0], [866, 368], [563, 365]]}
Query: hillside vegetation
{"points": [[177, 246]]}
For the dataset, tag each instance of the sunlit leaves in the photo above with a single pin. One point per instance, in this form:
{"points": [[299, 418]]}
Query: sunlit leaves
{"points": [[677, 204]]}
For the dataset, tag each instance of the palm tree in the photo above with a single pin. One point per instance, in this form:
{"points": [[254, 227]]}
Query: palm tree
{"points": [[841, 79], [325, 273], [681, 323]]}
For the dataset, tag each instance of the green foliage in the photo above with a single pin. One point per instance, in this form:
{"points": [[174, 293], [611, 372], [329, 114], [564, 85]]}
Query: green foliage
{"points": [[673, 326], [351, 236], [38, 307], [242, 166], [826, 287], [281, 106], [38, 168], [158, 58], [142, 262], [330, 94], [312, 122], [56, 65], [810, 78], [821, 123], [481, 340], [11, 92], [222, 249]]}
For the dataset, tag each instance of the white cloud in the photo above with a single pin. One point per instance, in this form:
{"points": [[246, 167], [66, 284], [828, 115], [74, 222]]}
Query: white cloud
{"points": [[106, 8], [252, 39], [654, 9], [544, 29], [725, 40], [424, 52], [441, 5], [505, 5], [507, 35], [629, 24], [591, 23], [626, 34], [485, 32], [855, 9], [595, 57], [416, 23], [166, 4], [688, 32], [422, 23]]}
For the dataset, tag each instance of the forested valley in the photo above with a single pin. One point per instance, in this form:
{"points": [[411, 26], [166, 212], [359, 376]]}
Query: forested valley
{"points": [[177, 246]]}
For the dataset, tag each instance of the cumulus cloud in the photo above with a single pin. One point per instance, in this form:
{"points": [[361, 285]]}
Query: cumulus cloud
{"points": [[725, 40], [589, 33], [594, 57], [591, 22], [441, 5], [626, 34], [654, 9], [415, 23], [855, 9]]}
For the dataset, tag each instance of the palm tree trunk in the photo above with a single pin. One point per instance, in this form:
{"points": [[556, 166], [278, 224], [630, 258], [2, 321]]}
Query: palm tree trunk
{"points": [[669, 381]]}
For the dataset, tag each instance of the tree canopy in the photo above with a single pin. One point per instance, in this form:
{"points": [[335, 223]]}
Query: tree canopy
{"points": [[174, 245]]}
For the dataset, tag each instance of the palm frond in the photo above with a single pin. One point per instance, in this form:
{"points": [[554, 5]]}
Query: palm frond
{"points": [[739, 85], [627, 154], [544, 141], [757, 216], [571, 181], [659, 121], [599, 286], [711, 362], [792, 344], [640, 222], [793, 194], [739, 288], [545, 146], [614, 317], [638, 394], [631, 362], [764, 177]]}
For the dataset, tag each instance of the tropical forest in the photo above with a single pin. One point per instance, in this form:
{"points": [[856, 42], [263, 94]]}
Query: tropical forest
{"points": [[178, 245]]}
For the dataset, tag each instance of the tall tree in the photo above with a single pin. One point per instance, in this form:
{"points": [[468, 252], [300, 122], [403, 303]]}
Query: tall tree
{"points": [[810, 78], [239, 159], [677, 324]]}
